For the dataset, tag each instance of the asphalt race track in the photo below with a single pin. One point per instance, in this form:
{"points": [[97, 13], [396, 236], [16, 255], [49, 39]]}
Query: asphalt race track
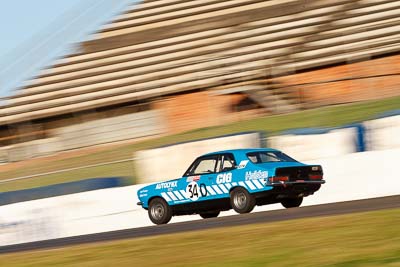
{"points": [[257, 217]]}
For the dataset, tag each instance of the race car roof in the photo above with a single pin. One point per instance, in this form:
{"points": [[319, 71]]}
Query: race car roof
{"points": [[242, 151]]}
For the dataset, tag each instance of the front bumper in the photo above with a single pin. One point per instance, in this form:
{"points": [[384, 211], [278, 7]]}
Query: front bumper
{"points": [[139, 203]]}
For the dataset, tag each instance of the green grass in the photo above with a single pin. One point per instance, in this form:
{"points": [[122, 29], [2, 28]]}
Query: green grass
{"points": [[360, 239], [272, 125]]}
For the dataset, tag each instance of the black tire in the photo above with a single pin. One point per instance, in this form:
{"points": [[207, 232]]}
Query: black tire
{"points": [[242, 201], [292, 202], [159, 211], [209, 214]]}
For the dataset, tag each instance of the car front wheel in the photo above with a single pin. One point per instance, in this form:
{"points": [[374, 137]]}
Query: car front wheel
{"points": [[242, 201], [159, 211], [292, 202], [210, 214]]}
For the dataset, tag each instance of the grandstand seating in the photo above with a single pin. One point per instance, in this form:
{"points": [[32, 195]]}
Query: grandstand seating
{"points": [[198, 45]]}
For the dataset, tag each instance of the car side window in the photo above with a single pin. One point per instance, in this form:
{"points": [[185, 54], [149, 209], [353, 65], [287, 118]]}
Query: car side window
{"points": [[203, 165], [252, 158], [269, 157], [227, 162]]}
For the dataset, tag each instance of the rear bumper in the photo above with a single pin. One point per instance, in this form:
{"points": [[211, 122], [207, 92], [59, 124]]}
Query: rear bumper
{"points": [[139, 203], [303, 188], [299, 182], [284, 190]]}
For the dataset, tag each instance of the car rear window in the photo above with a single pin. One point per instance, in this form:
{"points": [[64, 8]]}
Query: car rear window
{"points": [[268, 156]]}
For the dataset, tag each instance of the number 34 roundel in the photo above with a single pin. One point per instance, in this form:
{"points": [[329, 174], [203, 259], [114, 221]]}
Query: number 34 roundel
{"points": [[194, 191]]}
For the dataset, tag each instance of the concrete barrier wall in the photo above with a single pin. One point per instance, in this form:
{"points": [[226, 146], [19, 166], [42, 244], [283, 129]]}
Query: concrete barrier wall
{"points": [[383, 133], [170, 162], [349, 177], [70, 215], [307, 144]]}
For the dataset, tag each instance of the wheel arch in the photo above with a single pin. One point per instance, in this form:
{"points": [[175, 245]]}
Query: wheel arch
{"points": [[154, 197], [238, 186]]}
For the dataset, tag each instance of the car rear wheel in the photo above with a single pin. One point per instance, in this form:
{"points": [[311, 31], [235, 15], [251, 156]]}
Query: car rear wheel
{"points": [[159, 211], [242, 201], [210, 214], [292, 202]]}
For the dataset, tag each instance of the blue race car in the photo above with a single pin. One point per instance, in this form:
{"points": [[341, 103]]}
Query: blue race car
{"points": [[237, 179]]}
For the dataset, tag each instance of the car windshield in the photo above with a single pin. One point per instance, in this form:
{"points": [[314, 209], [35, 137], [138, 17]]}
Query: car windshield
{"points": [[268, 156]]}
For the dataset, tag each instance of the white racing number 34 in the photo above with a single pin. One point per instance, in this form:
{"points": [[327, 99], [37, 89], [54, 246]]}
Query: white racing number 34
{"points": [[194, 191]]}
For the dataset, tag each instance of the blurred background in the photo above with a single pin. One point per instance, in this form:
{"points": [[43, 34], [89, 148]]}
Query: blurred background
{"points": [[154, 73], [110, 89]]}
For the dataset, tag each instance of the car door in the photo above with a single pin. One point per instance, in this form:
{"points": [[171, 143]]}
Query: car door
{"points": [[210, 177], [199, 176], [220, 184]]}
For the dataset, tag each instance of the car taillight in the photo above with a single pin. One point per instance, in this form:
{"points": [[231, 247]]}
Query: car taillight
{"points": [[315, 176], [278, 179]]}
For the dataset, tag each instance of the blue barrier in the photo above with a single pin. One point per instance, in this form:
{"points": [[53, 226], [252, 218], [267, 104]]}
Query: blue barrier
{"points": [[61, 189], [361, 141]]}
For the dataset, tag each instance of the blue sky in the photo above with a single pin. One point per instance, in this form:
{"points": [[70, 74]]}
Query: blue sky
{"points": [[36, 32]]}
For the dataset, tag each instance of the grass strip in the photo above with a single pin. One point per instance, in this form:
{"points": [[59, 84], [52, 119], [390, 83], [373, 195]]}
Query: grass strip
{"points": [[359, 239]]}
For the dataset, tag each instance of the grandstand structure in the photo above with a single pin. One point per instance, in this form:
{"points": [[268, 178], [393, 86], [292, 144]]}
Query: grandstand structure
{"points": [[165, 66]]}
